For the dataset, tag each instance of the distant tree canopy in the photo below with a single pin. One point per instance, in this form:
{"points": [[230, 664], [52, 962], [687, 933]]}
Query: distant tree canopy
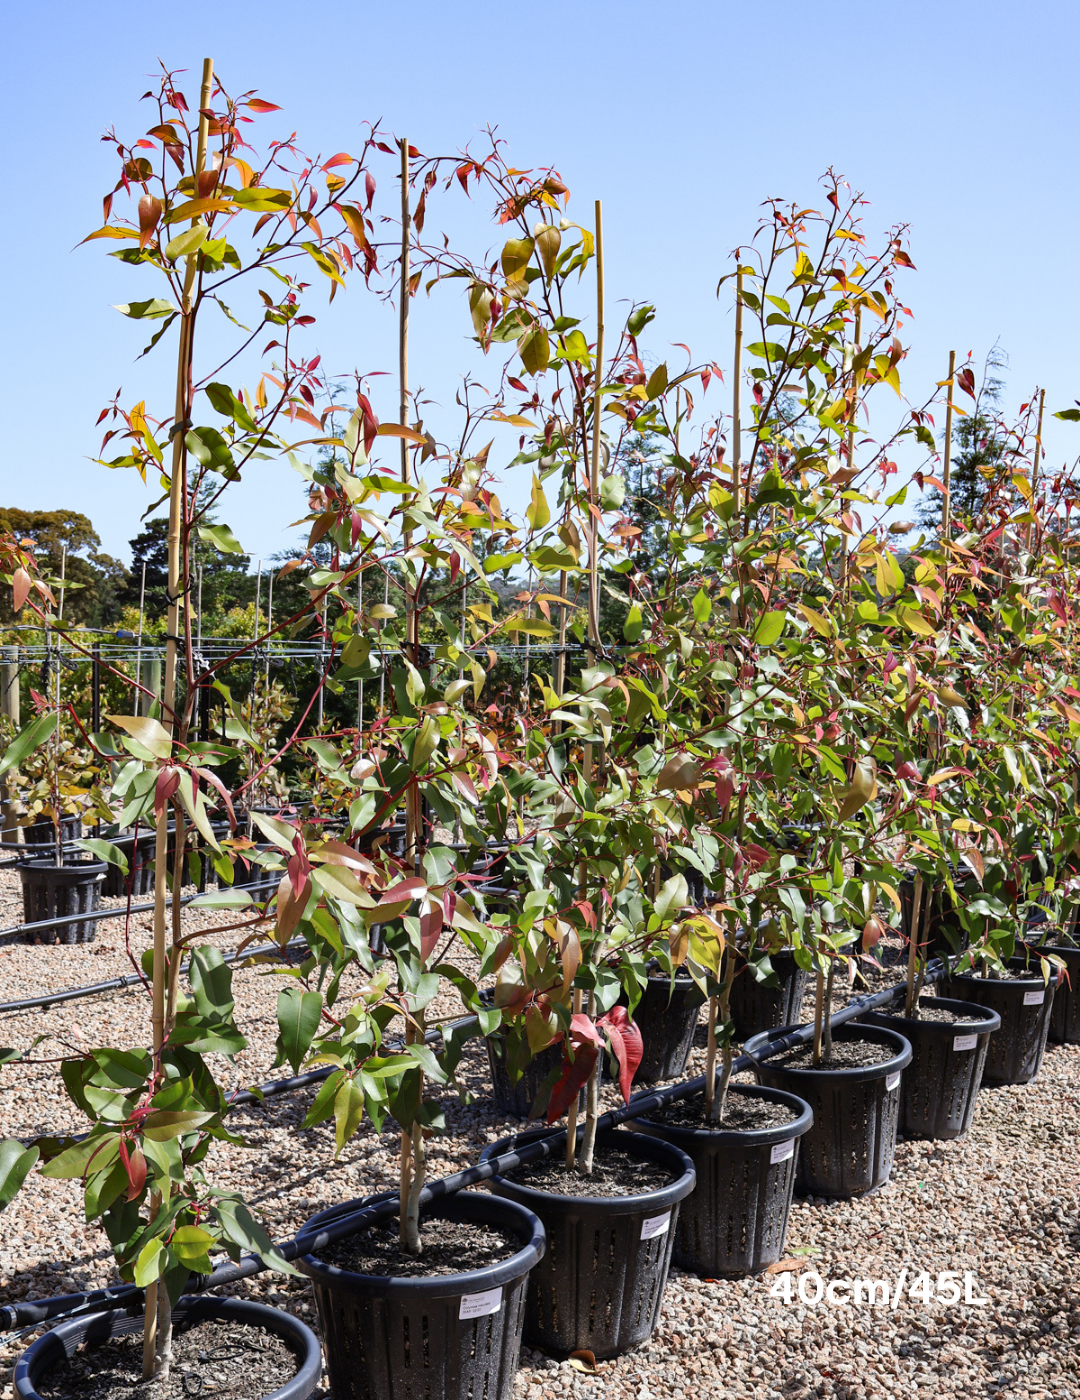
{"points": [[979, 446], [94, 581]]}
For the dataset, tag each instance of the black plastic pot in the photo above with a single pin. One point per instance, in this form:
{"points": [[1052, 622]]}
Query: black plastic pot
{"points": [[52, 891], [758, 1006], [736, 1220], [34, 1365], [515, 1100], [1024, 1005], [140, 857], [41, 832], [1065, 1016], [449, 1336], [940, 1086], [601, 1282], [667, 1017], [849, 1150]]}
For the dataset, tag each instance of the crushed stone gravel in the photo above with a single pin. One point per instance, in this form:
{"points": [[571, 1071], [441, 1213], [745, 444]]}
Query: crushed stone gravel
{"points": [[1002, 1204]]}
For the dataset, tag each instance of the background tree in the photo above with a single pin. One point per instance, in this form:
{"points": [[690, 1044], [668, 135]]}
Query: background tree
{"points": [[95, 581], [979, 445]]}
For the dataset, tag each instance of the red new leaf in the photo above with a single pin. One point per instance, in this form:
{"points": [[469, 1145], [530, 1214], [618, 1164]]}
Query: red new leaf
{"points": [[626, 1045], [574, 1074]]}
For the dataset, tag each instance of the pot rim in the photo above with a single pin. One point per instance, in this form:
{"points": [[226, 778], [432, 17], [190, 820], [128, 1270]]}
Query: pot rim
{"points": [[66, 1336], [747, 1137], [643, 1203], [879, 1035], [1014, 964], [472, 1205], [980, 1019]]}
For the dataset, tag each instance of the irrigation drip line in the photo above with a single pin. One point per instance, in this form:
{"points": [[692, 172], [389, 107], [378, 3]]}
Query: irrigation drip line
{"points": [[118, 984], [96, 915], [348, 1218]]}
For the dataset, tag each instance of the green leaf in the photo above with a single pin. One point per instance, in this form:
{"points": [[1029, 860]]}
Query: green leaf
{"points": [[147, 310], [211, 983], [633, 626], [348, 1112], [241, 1228], [106, 851], [28, 739], [186, 243], [211, 450], [701, 605], [298, 1015], [15, 1162], [639, 318], [170, 1123], [538, 512], [769, 628], [535, 350], [151, 1262], [221, 537], [612, 492], [145, 731], [190, 1244]]}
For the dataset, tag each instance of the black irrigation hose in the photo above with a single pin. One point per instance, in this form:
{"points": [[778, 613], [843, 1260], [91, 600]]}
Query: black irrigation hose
{"points": [[121, 912], [30, 1314]]}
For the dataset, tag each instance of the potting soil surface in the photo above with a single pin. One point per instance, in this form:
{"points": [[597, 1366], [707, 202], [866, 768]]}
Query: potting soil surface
{"points": [[742, 1114], [943, 1015], [447, 1247], [226, 1359], [846, 1054], [614, 1173]]}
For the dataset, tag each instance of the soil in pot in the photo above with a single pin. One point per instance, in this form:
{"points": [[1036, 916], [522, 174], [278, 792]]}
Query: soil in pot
{"points": [[210, 1359], [844, 1054], [600, 1285], [613, 1174], [449, 1247], [735, 1223], [849, 1150], [949, 1043]]}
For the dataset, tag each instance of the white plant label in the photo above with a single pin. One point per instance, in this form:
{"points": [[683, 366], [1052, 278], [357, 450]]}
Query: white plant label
{"points": [[893, 1082], [1035, 998], [781, 1151], [965, 1042], [655, 1225], [480, 1304]]}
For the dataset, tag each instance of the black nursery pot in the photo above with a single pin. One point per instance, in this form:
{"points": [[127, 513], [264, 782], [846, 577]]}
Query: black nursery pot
{"points": [[667, 1018], [515, 1099], [448, 1336], [1065, 1016], [140, 857], [41, 831], [35, 1363], [1024, 1005], [736, 1221], [757, 1006], [940, 1086], [55, 891], [600, 1285], [849, 1150]]}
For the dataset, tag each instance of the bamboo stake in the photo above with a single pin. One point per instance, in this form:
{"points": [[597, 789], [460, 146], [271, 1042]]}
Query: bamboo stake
{"points": [[571, 1116], [412, 636], [1037, 459], [946, 510], [850, 452], [736, 398], [168, 697], [913, 945], [594, 465]]}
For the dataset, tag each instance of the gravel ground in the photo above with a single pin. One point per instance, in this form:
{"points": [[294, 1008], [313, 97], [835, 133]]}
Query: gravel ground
{"points": [[1004, 1205]]}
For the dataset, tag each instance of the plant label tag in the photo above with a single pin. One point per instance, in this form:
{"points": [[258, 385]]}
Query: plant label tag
{"points": [[1035, 998], [480, 1304], [781, 1151], [893, 1082], [655, 1225], [965, 1042]]}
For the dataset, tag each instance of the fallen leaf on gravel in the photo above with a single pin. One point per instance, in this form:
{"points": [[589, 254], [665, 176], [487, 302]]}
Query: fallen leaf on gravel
{"points": [[583, 1361], [785, 1266]]}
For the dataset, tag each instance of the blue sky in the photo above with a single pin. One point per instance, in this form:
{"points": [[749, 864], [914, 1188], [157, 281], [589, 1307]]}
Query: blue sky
{"points": [[960, 121]]}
